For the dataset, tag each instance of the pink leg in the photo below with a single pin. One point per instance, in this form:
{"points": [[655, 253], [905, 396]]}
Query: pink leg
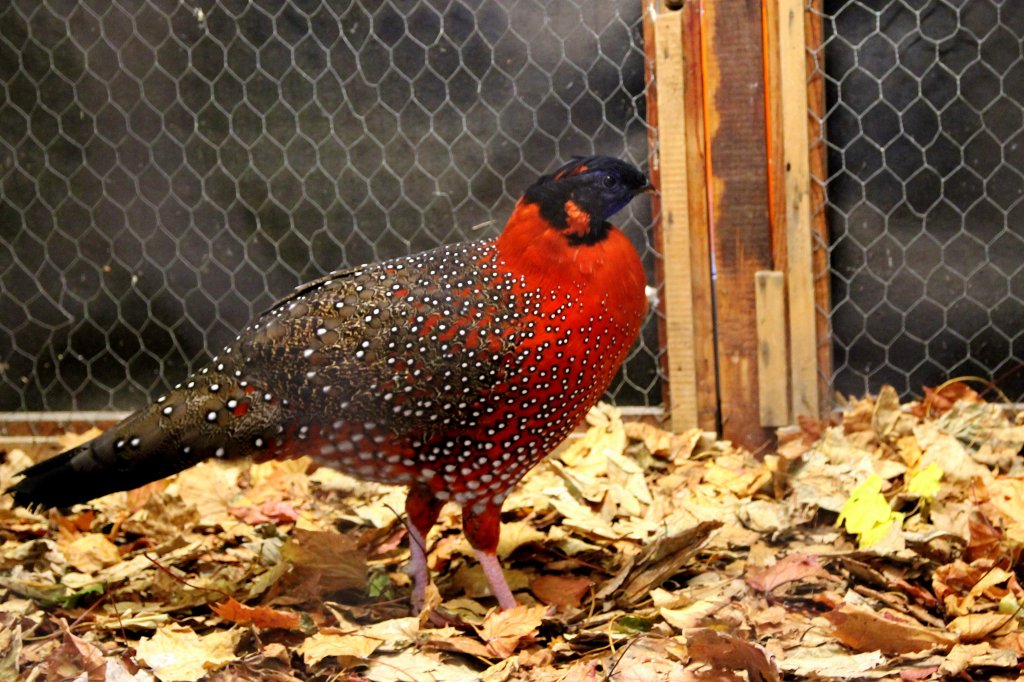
{"points": [[422, 508], [418, 567], [482, 530], [496, 579]]}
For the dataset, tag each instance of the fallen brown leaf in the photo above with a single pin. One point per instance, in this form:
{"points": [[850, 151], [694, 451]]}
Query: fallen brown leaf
{"points": [[790, 568], [260, 616], [657, 563], [977, 626], [941, 399], [729, 652], [271, 511], [505, 631], [965, 656], [334, 558], [75, 659], [560, 590], [177, 654], [320, 646], [884, 630], [91, 552]]}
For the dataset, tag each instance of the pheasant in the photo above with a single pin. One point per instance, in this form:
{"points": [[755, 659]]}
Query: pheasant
{"points": [[453, 371]]}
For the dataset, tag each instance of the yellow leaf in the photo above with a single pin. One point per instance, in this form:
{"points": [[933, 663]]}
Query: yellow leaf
{"points": [[413, 664], [691, 615], [177, 654], [876, 534], [974, 627], [320, 646], [504, 631], [396, 633], [90, 552], [67, 441], [925, 483], [867, 513], [210, 487], [516, 534]]}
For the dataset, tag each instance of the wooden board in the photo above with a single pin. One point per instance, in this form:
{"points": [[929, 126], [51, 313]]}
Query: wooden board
{"points": [[672, 176], [734, 118], [773, 132], [772, 365], [700, 227], [814, 32], [803, 336]]}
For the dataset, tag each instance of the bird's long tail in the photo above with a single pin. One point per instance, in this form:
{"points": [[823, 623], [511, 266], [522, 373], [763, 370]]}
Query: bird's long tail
{"points": [[128, 455], [211, 418]]}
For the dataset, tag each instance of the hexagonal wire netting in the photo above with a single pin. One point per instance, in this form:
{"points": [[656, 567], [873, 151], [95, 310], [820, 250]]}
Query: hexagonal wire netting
{"points": [[170, 168], [924, 113]]}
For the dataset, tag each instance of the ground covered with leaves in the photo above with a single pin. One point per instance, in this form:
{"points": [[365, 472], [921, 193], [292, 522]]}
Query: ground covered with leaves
{"points": [[883, 544]]}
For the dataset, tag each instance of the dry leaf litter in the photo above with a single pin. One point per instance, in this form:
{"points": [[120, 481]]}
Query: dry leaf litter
{"points": [[883, 544]]}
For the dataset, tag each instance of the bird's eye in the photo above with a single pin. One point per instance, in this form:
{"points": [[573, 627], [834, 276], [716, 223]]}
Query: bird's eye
{"points": [[610, 181]]}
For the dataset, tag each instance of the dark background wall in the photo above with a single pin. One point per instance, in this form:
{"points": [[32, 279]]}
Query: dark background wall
{"points": [[168, 169], [925, 138]]}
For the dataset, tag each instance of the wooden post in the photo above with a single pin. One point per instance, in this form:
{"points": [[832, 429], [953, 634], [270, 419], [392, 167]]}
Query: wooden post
{"points": [[814, 32], [676, 271], [803, 337], [735, 123], [702, 281]]}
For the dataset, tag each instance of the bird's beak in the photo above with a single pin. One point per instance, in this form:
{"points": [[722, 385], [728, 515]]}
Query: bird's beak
{"points": [[649, 188]]}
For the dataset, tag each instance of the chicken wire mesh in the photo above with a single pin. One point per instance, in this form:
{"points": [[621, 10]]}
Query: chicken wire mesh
{"points": [[169, 168], [923, 113]]}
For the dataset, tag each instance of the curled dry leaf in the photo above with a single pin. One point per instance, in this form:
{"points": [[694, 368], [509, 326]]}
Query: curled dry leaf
{"points": [[323, 645], [977, 626], [885, 630], [75, 659], [260, 616], [657, 563], [964, 656]]}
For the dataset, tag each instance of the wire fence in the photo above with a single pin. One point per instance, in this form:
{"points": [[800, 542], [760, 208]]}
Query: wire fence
{"points": [[924, 119], [169, 168]]}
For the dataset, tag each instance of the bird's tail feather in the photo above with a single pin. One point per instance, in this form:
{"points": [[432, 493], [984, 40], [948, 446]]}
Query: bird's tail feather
{"points": [[126, 456]]}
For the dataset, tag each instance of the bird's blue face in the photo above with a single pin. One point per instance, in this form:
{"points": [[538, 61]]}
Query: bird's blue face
{"points": [[592, 189], [611, 189]]}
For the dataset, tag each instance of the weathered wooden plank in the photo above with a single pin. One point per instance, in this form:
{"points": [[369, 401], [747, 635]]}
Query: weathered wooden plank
{"points": [[676, 270], [772, 364], [803, 335], [773, 132], [700, 227], [735, 122], [814, 32]]}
